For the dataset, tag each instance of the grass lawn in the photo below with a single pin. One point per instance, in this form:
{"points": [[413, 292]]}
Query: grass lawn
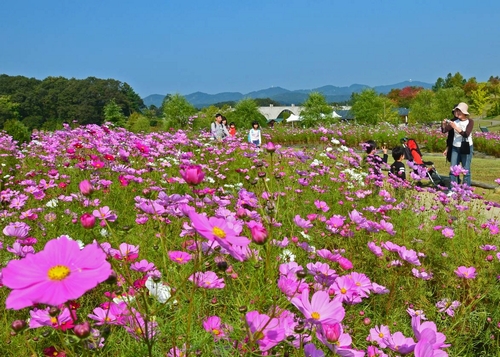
{"points": [[484, 170]]}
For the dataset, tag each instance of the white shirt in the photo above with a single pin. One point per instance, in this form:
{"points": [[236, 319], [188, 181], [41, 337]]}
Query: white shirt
{"points": [[457, 138]]}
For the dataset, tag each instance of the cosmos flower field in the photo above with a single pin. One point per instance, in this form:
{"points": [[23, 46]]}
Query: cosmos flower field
{"points": [[168, 244]]}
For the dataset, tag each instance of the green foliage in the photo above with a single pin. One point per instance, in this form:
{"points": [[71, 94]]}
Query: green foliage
{"points": [[451, 81], [138, 123], [370, 108], [445, 100], [245, 113], [17, 130], [8, 109], [176, 111], [479, 100], [316, 110], [422, 108], [66, 100], [113, 114]]}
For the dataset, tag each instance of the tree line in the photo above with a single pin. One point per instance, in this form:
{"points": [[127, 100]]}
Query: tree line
{"points": [[429, 105], [29, 103]]}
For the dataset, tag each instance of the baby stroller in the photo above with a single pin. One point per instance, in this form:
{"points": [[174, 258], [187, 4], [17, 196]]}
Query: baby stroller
{"points": [[413, 154]]}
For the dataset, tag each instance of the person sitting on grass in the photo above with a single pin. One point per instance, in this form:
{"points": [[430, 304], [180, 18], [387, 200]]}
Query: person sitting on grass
{"points": [[398, 167]]}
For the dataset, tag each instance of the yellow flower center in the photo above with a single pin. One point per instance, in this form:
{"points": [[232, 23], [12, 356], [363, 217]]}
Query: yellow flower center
{"points": [[58, 272], [215, 332], [315, 315], [179, 259], [219, 232], [381, 335], [259, 335], [53, 321], [343, 290]]}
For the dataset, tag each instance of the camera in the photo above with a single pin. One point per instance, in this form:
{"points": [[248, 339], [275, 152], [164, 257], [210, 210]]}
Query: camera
{"points": [[447, 121]]}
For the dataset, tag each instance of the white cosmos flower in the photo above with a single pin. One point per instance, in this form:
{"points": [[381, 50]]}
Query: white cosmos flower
{"points": [[287, 255], [52, 203], [158, 290], [335, 141]]}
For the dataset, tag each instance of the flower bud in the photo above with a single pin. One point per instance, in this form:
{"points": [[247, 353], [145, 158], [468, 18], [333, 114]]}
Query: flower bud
{"points": [[18, 325], [82, 330], [87, 220]]}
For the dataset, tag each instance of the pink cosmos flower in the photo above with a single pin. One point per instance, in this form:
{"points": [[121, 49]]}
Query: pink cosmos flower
{"points": [[113, 314], [447, 306], [143, 266], [179, 257], [207, 280], [258, 231], [320, 309], [421, 332], [310, 350], [302, 223], [105, 214], [378, 334], [213, 325], [41, 317], [17, 230], [224, 232], [375, 249], [399, 343], [266, 332], [457, 170], [467, 273], [85, 187], [192, 174], [448, 232], [321, 205], [58, 273], [127, 252]]}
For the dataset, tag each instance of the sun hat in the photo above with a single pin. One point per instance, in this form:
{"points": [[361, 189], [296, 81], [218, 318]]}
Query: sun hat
{"points": [[463, 108]]}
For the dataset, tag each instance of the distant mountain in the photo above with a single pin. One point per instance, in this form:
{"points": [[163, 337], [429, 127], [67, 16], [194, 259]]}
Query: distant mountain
{"points": [[285, 96]]}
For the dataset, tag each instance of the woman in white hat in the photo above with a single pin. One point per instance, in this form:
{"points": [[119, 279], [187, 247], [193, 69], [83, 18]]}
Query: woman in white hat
{"points": [[461, 149]]}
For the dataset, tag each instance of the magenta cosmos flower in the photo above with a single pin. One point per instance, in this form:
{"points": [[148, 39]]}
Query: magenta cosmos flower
{"points": [[192, 174], [467, 273], [220, 230], [320, 309], [266, 332], [58, 273]]}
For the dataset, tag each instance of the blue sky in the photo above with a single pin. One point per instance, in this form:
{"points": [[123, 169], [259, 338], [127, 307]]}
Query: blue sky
{"points": [[168, 46]]}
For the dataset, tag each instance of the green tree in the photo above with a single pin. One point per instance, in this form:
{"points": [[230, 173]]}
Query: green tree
{"points": [[479, 99], [138, 123], [113, 113], [445, 100], [8, 109], [316, 110], [176, 111], [422, 108], [245, 113], [368, 107], [17, 130], [456, 80]]}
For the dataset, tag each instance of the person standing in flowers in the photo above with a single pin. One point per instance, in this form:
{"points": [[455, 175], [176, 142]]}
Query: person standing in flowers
{"points": [[461, 148], [217, 129], [374, 161], [254, 134]]}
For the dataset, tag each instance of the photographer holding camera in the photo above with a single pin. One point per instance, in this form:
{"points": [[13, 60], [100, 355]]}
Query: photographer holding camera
{"points": [[459, 141]]}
